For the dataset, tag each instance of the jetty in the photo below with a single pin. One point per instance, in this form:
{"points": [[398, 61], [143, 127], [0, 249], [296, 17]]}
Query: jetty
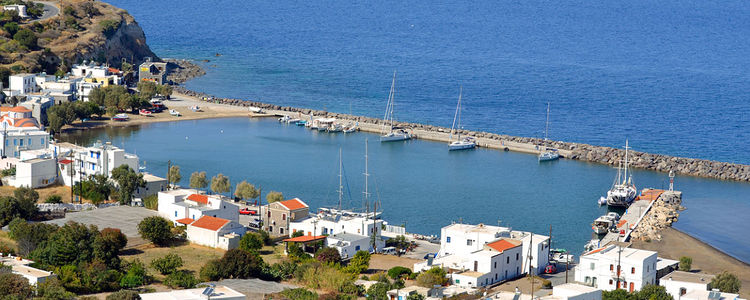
{"points": [[639, 218]]}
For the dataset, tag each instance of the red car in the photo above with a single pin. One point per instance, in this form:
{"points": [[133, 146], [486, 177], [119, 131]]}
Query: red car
{"points": [[247, 211], [550, 269]]}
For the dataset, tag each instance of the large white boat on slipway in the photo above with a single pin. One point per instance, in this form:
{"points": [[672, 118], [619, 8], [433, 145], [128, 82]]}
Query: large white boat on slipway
{"points": [[393, 134], [623, 191]]}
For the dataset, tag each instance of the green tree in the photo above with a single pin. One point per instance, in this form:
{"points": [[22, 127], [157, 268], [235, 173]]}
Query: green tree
{"points": [[251, 242], [328, 255], [245, 190], [415, 296], [124, 295], [54, 199], [126, 67], [398, 272], [53, 289], [156, 229], [8, 210], [237, 263], [181, 279], [101, 185], [685, 263], [146, 90], [127, 181], [26, 38], [220, 184], [136, 275], [174, 175], [71, 244], [379, 291], [29, 236], [299, 294], [359, 263], [198, 180], [107, 246], [27, 198], [653, 292], [164, 90], [4, 75], [211, 271], [167, 264], [432, 277], [14, 286], [11, 27], [274, 196], [726, 282]]}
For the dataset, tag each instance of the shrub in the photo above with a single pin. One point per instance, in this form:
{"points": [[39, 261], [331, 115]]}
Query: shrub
{"points": [[124, 295], [26, 38], [251, 242], [182, 279], [151, 202], [328, 255], [685, 263], [167, 264], [136, 275], [211, 271], [53, 199], [432, 277], [726, 282], [283, 270], [398, 272], [299, 294], [156, 229], [325, 277], [109, 27], [359, 263], [14, 286]]}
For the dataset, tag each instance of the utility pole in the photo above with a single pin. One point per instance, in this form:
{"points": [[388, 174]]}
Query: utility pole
{"points": [[567, 266], [531, 243], [169, 172], [619, 254]]}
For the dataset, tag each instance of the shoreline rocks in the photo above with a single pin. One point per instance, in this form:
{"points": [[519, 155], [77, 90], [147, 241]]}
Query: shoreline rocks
{"points": [[664, 212], [577, 151]]}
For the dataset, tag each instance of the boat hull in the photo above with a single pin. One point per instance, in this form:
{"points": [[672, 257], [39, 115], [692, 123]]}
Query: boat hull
{"points": [[548, 156], [455, 146], [621, 195], [395, 137]]}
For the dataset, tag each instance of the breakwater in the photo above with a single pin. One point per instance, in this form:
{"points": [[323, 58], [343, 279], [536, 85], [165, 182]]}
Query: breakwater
{"points": [[577, 151]]}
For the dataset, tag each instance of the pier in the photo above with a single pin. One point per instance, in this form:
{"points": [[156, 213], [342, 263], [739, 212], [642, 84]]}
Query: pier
{"points": [[637, 212]]}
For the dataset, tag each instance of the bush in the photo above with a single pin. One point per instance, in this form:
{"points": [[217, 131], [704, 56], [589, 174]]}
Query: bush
{"points": [[211, 271], [156, 229], [53, 199], [726, 282], [398, 272], [251, 242], [324, 277], [685, 263], [283, 270], [26, 38], [181, 279], [266, 237], [136, 275], [359, 263], [299, 294], [432, 277], [167, 264], [328, 255], [151, 202], [124, 295], [237, 263], [109, 27], [14, 286]]}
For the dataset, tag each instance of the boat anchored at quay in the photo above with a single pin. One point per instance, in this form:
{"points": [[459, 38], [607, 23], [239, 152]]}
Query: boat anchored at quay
{"points": [[623, 191], [548, 154], [459, 144], [394, 133]]}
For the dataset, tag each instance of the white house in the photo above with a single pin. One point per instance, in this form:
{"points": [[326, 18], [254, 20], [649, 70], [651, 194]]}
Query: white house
{"points": [[23, 83], [601, 268], [348, 244], [21, 267], [679, 283], [330, 223], [714, 294], [214, 232], [34, 173], [187, 203], [567, 291], [215, 293], [78, 163], [404, 293], [154, 185], [21, 9], [19, 131], [494, 262], [465, 238]]}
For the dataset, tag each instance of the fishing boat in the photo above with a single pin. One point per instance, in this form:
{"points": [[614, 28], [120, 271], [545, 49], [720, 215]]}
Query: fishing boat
{"points": [[302, 123], [335, 128], [174, 113], [394, 133], [195, 108], [121, 117], [352, 127], [285, 119], [459, 144], [548, 154], [144, 112], [623, 191], [256, 110], [602, 224]]}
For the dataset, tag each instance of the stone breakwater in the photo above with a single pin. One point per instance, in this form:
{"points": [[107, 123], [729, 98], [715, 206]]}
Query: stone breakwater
{"points": [[583, 152], [664, 212], [181, 70]]}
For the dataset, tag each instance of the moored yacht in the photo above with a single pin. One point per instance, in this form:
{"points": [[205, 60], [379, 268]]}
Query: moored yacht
{"points": [[459, 144], [623, 191], [393, 133]]}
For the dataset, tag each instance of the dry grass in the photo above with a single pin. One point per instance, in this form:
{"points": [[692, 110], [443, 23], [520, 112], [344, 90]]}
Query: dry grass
{"points": [[60, 190], [6, 240], [381, 262], [193, 256]]}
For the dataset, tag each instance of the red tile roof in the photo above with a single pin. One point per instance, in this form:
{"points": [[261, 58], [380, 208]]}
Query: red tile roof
{"points": [[20, 109], [210, 223], [185, 221], [66, 161], [293, 204], [595, 251], [503, 244], [198, 198], [305, 238]]}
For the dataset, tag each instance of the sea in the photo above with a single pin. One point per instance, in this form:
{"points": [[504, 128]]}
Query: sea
{"points": [[669, 76]]}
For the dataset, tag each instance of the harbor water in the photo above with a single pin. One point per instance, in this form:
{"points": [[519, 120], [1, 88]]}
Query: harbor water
{"points": [[420, 183]]}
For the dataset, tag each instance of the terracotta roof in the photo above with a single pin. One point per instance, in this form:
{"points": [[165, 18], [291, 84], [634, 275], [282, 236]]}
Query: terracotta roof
{"points": [[66, 161], [198, 198], [20, 109], [305, 238], [293, 204], [185, 221], [595, 251], [5, 108], [503, 244], [210, 223], [25, 122]]}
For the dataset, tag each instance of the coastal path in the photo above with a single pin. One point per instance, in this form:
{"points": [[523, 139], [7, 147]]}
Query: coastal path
{"points": [[50, 10]]}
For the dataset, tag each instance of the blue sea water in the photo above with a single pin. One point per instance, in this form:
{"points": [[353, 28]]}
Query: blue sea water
{"points": [[672, 76], [420, 183]]}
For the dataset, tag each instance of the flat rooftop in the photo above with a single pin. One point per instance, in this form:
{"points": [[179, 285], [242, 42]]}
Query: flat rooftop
{"points": [[688, 277], [220, 292]]}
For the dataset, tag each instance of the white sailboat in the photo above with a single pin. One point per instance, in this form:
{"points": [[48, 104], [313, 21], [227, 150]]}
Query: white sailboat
{"points": [[548, 154], [394, 134], [623, 191], [466, 142]]}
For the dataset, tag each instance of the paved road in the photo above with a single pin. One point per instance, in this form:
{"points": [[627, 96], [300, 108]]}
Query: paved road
{"points": [[50, 10]]}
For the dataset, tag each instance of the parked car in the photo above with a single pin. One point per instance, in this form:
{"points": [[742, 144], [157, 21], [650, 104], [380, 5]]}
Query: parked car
{"points": [[550, 269], [247, 211]]}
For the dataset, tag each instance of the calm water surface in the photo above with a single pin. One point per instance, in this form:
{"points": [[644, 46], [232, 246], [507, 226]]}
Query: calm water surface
{"points": [[420, 183]]}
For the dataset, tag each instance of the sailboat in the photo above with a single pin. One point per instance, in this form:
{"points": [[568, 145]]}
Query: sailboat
{"points": [[466, 142], [394, 134], [548, 154], [623, 191]]}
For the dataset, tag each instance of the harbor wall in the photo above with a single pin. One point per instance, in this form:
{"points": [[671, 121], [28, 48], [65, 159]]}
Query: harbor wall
{"points": [[577, 151], [664, 211]]}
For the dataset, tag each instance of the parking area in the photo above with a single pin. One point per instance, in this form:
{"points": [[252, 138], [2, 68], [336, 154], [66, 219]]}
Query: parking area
{"points": [[125, 218]]}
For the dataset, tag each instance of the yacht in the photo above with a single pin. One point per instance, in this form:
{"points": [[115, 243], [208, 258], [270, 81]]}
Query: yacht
{"points": [[623, 191], [459, 144], [548, 154], [393, 133]]}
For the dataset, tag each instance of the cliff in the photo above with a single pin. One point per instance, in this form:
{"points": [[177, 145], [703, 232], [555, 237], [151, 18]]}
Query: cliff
{"points": [[83, 30]]}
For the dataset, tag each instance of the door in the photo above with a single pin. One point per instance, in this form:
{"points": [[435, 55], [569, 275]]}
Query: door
{"points": [[631, 287]]}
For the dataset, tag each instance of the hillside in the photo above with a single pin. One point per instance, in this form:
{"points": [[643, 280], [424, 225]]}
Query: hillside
{"points": [[83, 30]]}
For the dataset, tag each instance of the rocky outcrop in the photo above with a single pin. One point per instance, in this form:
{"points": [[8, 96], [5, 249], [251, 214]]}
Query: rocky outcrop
{"points": [[181, 70], [663, 213]]}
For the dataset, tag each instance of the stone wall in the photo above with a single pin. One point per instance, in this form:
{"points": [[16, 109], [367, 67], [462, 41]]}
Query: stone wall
{"points": [[664, 212]]}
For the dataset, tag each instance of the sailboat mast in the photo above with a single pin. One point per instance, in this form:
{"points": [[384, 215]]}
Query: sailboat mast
{"points": [[393, 97], [388, 116], [367, 175], [626, 161], [458, 129], [546, 124], [341, 181], [455, 116]]}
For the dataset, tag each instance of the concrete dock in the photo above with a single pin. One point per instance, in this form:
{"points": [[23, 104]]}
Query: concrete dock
{"points": [[630, 220]]}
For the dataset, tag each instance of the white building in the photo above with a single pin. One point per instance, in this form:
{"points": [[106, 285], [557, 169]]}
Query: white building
{"points": [[78, 163], [463, 239], [494, 262], [19, 131], [216, 293], [331, 223], [34, 173], [21, 9], [601, 268], [154, 185], [214, 232], [714, 294], [567, 291], [348, 244], [22, 83], [679, 283], [21, 267], [404, 293], [187, 203]]}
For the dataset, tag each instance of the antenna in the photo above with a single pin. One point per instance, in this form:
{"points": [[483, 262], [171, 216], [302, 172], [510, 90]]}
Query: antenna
{"points": [[366, 193]]}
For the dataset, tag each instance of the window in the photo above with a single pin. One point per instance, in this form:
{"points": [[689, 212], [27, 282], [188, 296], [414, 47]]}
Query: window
{"points": [[356, 248], [632, 270], [506, 273], [611, 267], [683, 291], [7, 142], [593, 266], [495, 265], [507, 260], [593, 281], [283, 216], [269, 213], [281, 230], [610, 282], [225, 207], [175, 213], [42, 141], [29, 141], [20, 142], [516, 256], [15, 142], [448, 239], [469, 242], [457, 281]]}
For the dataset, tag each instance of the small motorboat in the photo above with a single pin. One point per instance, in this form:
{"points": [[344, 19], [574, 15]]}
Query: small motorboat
{"points": [[302, 123], [256, 110], [294, 121], [121, 117], [174, 113], [285, 119], [350, 128], [602, 224], [602, 201], [334, 128], [144, 112], [195, 108]]}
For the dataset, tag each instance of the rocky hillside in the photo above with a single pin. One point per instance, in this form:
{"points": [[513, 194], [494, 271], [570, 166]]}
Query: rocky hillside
{"points": [[83, 30]]}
